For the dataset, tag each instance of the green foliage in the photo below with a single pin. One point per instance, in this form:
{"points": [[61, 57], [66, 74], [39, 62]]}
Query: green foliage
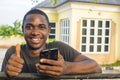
{"points": [[97, 1], [34, 1], [54, 2], [23, 42], [117, 63], [7, 30], [51, 39], [17, 28]]}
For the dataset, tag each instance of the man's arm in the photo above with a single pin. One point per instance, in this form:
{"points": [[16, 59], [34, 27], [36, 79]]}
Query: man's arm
{"points": [[82, 65]]}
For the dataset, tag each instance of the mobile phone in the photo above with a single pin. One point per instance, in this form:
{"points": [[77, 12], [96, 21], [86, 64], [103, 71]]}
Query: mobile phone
{"points": [[49, 54]]}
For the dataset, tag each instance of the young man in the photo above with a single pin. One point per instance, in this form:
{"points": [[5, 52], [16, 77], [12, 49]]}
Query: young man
{"points": [[36, 30]]}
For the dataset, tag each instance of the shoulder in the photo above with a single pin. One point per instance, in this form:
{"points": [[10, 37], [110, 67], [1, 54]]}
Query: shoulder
{"points": [[11, 49], [58, 43], [9, 52]]}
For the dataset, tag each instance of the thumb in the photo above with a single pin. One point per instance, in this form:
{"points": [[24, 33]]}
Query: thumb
{"points": [[60, 57], [18, 50]]}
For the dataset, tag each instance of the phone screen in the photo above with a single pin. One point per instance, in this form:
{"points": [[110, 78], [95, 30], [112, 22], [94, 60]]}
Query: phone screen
{"points": [[49, 54]]}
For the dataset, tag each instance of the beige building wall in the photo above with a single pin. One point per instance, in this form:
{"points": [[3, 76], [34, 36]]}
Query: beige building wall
{"points": [[53, 17], [65, 15], [78, 11], [79, 14], [118, 36]]}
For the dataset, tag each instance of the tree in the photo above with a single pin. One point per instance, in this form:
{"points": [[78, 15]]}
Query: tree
{"points": [[16, 28], [7, 30]]}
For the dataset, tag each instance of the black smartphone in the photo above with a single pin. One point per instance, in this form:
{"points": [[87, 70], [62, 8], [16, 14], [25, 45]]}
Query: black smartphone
{"points": [[49, 54]]}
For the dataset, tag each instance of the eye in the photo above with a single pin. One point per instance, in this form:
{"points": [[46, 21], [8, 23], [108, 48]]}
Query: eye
{"points": [[42, 26], [29, 27]]}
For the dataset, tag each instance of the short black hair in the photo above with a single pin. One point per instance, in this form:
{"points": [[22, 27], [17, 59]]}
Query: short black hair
{"points": [[35, 11]]}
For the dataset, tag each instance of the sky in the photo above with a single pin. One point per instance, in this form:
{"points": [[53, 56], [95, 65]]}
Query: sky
{"points": [[12, 10]]}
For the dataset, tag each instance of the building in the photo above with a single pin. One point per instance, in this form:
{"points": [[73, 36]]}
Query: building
{"points": [[93, 28]]}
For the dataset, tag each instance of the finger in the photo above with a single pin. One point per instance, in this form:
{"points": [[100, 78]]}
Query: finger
{"points": [[50, 68], [14, 59], [51, 62], [52, 73], [13, 69], [37, 66], [16, 64], [18, 50], [59, 56], [10, 73]]}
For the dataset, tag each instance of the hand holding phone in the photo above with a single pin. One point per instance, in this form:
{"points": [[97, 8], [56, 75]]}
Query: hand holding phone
{"points": [[49, 54]]}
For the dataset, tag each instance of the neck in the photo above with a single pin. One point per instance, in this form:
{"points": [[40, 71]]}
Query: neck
{"points": [[34, 52]]}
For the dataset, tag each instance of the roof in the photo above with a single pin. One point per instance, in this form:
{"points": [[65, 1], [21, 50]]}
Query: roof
{"points": [[47, 3]]}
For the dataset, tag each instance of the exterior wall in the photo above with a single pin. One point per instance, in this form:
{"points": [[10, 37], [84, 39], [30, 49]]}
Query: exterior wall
{"points": [[64, 15], [76, 12], [118, 36], [114, 16], [53, 17]]}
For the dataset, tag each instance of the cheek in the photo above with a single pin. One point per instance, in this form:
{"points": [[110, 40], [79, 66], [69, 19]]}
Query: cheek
{"points": [[26, 34], [46, 32], [27, 31], [46, 35]]}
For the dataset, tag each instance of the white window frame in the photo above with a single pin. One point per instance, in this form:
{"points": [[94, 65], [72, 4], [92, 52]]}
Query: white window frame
{"points": [[65, 30], [95, 36], [54, 34]]}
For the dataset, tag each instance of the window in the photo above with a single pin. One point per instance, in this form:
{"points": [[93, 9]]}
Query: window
{"points": [[65, 30], [95, 36], [53, 30]]}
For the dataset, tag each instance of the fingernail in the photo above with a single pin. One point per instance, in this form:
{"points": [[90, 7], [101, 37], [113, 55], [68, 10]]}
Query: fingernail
{"points": [[41, 60]]}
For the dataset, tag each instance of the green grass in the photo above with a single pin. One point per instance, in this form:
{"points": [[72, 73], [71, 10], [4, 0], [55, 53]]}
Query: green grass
{"points": [[117, 63]]}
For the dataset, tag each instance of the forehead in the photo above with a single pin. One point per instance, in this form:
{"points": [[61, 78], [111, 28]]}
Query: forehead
{"points": [[35, 17]]}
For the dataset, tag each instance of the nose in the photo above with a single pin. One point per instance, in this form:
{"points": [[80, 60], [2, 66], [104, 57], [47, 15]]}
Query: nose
{"points": [[35, 31]]}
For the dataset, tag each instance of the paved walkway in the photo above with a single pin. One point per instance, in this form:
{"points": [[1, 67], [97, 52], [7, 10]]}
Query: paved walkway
{"points": [[2, 54]]}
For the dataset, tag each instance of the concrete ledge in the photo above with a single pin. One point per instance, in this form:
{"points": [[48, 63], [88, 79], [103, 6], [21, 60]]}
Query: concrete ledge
{"points": [[36, 76], [9, 41]]}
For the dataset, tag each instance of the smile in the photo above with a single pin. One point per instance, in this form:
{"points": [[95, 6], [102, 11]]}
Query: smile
{"points": [[35, 40]]}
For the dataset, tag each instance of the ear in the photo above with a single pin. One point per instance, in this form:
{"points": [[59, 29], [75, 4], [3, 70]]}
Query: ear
{"points": [[23, 29]]}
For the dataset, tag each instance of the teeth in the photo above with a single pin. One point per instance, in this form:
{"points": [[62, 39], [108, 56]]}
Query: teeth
{"points": [[35, 39]]}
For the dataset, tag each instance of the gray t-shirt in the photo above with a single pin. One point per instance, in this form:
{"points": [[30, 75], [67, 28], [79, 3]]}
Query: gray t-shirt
{"points": [[66, 51]]}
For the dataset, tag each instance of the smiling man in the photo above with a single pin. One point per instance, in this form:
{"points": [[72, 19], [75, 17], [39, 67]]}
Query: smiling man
{"points": [[36, 30]]}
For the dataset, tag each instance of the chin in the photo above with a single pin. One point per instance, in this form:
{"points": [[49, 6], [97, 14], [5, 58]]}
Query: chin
{"points": [[34, 47]]}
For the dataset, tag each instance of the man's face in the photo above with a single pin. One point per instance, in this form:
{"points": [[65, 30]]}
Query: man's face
{"points": [[36, 31]]}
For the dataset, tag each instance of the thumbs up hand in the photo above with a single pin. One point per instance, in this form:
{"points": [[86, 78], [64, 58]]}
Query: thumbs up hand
{"points": [[18, 50], [15, 63]]}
